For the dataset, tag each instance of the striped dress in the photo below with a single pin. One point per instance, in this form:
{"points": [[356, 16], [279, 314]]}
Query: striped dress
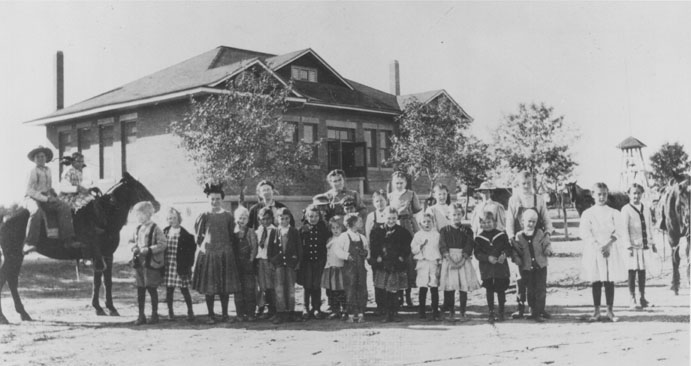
{"points": [[171, 278]]}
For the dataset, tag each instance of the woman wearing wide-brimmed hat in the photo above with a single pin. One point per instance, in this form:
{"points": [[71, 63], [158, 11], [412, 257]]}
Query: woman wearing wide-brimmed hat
{"points": [[40, 194], [487, 205]]}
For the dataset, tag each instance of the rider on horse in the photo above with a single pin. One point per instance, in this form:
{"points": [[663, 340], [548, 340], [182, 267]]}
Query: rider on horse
{"points": [[41, 196]]}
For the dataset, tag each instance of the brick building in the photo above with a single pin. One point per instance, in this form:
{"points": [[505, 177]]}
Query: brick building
{"points": [[127, 128]]}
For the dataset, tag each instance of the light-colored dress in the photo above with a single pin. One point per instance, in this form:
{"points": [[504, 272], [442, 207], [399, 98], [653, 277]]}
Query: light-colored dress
{"points": [[332, 276], [425, 250], [443, 215], [632, 236], [73, 178], [598, 224]]}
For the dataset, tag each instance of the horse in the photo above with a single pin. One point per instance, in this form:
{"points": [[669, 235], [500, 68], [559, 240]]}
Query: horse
{"points": [[110, 210], [583, 199], [675, 221]]}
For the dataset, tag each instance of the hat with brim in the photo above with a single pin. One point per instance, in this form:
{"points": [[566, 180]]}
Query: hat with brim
{"points": [[486, 186], [46, 151], [320, 199]]}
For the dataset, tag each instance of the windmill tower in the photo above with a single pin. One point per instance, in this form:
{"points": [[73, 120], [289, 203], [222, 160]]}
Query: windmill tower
{"points": [[633, 164]]}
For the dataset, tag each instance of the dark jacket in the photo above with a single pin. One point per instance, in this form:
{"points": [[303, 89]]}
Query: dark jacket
{"points": [[313, 240], [493, 243], [254, 223], [292, 256], [390, 244], [541, 247], [185, 252], [457, 238]]}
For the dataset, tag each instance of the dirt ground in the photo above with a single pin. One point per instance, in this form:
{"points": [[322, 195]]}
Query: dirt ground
{"points": [[66, 330]]}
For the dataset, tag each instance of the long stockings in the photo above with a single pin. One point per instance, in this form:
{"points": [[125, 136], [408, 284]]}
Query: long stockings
{"points": [[501, 298], [449, 300], [422, 299], [141, 299], [315, 295], [609, 292], [224, 304], [185, 294], [641, 282]]}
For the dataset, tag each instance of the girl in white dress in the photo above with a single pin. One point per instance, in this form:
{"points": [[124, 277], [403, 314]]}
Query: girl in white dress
{"points": [[603, 254], [441, 211], [425, 250]]}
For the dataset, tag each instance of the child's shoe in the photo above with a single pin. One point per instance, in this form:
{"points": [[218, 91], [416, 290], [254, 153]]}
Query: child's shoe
{"points": [[396, 318], [596, 315], [335, 315], [154, 319], [500, 317], [545, 315], [610, 315], [451, 317], [211, 319], [171, 315], [644, 303], [632, 303], [436, 317], [519, 314], [361, 318], [141, 320], [190, 317], [351, 319], [491, 317], [278, 319]]}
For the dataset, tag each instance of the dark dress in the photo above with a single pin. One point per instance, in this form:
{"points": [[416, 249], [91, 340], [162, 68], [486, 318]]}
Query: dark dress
{"points": [[493, 243], [313, 239], [392, 243], [216, 268], [355, 277]]}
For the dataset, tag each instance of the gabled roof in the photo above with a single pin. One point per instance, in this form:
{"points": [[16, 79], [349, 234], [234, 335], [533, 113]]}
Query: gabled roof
{"points": [[630, 143], [203, 74], [427, 97]]}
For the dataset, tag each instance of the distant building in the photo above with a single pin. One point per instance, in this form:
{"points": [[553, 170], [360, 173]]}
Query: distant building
{"points": [[127, 128]]}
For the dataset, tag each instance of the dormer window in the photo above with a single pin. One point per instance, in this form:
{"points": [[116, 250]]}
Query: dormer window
{"points": [[304, 73]]}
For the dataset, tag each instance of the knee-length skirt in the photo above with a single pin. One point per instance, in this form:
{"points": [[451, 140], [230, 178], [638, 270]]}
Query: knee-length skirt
{"points": [[332, 279], [391, 281], [454, 278], [216, 273]]}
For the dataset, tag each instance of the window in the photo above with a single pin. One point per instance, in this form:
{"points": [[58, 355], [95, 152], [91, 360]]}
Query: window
{"points": [[106, 153], [385, 147], [64, 146], [129, 136], [371, 141], [343, 134], [291, 132], [310, 136], [87, 144], [304, 73]]}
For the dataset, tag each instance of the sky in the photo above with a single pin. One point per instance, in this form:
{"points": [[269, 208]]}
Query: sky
{"points": [[613, 70]]}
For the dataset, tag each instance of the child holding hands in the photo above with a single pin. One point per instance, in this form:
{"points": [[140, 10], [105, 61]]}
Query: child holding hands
{"points": [[425, 249]]}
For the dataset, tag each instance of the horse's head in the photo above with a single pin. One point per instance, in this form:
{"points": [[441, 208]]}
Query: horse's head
{"points": [[129, 191]]}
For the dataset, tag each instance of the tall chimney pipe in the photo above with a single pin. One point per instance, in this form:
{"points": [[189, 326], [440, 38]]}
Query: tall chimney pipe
{"points": [[60, 75], [394, 78]]}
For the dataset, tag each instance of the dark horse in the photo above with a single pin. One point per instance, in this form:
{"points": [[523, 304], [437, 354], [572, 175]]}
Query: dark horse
{"points": [[113, 207], [675, 221], [583, 199]]}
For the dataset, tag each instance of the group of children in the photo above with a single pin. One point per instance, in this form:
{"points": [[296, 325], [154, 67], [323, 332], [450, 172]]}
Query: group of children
{"points": [[259, 256]]}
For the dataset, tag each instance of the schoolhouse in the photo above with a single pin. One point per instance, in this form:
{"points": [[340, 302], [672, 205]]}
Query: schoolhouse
{"points": [[127, 128]]}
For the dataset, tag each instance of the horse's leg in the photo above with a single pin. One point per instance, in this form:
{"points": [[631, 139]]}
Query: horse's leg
{"points": [[3, 320], [675, 269], [13, 282], [96, 291], [108, 282]]}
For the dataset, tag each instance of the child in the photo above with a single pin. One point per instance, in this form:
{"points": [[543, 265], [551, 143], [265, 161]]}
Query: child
{"points": [[352, 247], [441, 210], [332, 277], [267, 234], [245, 299], [313, 236], [533, 247], [215, 271], [425, 248], [407, 204], [148, 247], [457, 272], [338, 193], [179, 258], [265, 195], [523, 199], [603, 260], [376, 219], [487, 204], [392, 252], [492, 248], [285, 256], [637, 233]]}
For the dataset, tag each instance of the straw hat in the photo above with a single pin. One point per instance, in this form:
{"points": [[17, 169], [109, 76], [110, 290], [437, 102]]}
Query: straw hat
{"points": [[486, 186], [46, 151]]}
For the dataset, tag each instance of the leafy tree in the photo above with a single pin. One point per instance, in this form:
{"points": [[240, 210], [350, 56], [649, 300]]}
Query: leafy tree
{"points": [[669, 163], [535, 140], [429, 136], [239, 136], [473, 161]]}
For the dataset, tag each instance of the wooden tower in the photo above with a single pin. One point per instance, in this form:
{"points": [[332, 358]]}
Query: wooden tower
{"points": [[633, 164]]}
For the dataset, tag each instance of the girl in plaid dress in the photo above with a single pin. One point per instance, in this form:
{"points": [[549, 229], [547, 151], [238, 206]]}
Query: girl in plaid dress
{"points": [[179, 259]]}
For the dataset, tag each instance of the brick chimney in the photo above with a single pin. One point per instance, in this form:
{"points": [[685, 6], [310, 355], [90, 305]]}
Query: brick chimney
{"points": [[394, 78], [60, 81]]}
